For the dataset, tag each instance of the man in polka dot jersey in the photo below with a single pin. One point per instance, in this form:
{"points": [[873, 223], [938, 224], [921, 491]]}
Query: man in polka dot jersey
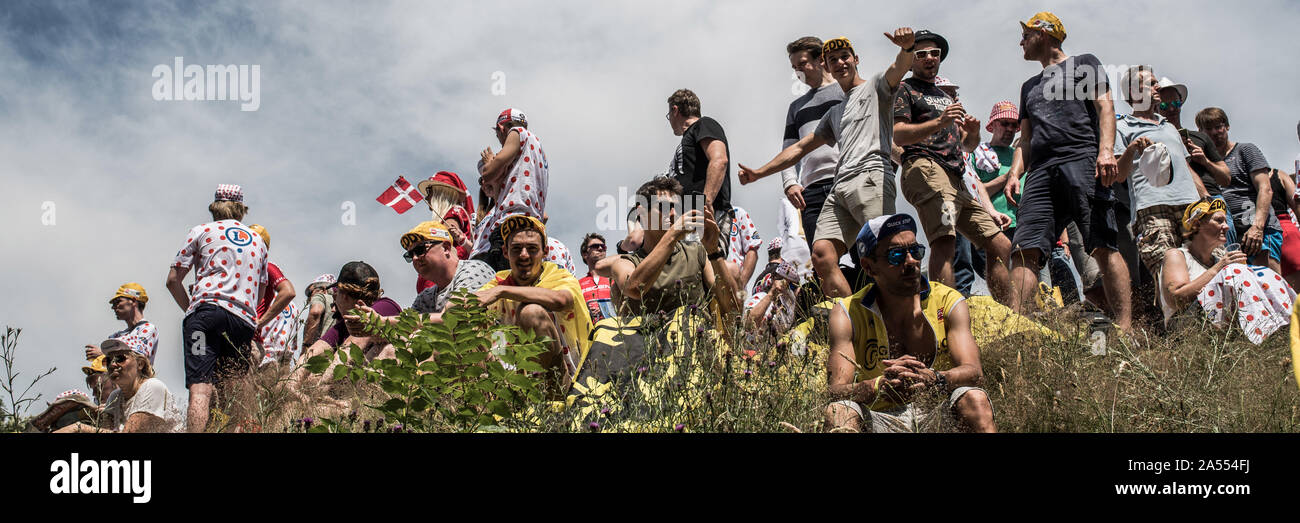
{"points": [[128, 305], [229, 261], [516, 179], [742, 246]]}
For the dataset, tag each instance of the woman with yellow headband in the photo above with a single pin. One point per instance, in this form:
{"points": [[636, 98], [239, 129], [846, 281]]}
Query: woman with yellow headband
{"points": [[1221, 285]]}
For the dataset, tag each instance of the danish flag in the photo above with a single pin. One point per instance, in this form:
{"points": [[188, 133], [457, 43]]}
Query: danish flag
{"points": [[401, 196]]}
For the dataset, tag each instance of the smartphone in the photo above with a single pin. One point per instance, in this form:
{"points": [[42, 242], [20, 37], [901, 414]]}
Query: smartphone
{"points": [[1183, 133]]}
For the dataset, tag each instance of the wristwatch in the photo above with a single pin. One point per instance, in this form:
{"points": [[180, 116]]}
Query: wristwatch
{"points": [[717, 255], [940, 381]]}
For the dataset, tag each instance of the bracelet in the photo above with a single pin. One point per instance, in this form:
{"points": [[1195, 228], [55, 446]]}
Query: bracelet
{"points": [[717, 255], [910, 49]]}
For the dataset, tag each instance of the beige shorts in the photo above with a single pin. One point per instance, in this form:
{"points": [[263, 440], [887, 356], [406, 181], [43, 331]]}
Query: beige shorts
{"points": [[945, 210], [910, 417], [1159, 228], [854, 200]]}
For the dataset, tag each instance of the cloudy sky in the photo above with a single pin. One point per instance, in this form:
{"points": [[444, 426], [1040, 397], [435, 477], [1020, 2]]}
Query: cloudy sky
{"points": [[353, 95]]}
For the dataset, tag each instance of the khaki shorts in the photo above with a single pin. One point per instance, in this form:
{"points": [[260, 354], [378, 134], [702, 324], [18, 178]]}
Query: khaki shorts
{"points": [[945, 210], [854, 200], [910, 417], [1159, 229]]}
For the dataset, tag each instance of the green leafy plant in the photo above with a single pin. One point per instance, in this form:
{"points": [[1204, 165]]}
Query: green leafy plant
{"points": [[11, 411], [466, 373]]}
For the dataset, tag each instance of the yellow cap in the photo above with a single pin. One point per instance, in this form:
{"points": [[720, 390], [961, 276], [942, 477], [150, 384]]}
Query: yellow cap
{"points": [[836, 44], [425, 231], [261, 231], [131, 290], [521, 222], [1047, 23], [96, 365]]}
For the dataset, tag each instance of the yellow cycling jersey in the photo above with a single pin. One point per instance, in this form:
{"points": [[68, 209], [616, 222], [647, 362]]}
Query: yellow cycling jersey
{"points": [[871, 342]]}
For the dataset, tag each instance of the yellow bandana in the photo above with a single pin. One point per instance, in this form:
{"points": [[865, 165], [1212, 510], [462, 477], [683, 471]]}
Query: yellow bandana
{"points": [[1199, 210]]}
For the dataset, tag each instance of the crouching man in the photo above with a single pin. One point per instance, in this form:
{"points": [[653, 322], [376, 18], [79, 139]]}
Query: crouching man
{"points": [[901, 339], [539, 296]]}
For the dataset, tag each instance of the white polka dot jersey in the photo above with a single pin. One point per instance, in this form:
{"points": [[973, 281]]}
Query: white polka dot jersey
{"points": [[229, 261]]}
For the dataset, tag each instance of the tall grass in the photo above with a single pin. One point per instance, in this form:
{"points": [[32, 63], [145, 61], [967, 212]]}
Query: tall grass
{"points": [[1195, 379]]}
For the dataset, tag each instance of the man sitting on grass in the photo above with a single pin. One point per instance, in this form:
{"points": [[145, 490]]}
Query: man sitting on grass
{"points": [[901, 339], [539, 296]]}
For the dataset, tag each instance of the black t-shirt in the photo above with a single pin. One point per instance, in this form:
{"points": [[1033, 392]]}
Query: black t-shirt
{"points": [[1280, 195], [1059, 105], [1202, 140], [919, 101], [691, 166]]}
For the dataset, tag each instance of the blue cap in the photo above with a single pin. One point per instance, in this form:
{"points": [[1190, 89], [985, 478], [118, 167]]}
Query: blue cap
{"points": [[878, 229]]}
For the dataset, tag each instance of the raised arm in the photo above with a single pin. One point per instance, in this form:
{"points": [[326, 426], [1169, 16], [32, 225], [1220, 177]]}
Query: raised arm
{"points": [[496, 166], [905, 39]]}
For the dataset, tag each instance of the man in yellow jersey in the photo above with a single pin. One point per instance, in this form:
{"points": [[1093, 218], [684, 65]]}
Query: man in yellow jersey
{"points": [[902, 343], [539, 296]]}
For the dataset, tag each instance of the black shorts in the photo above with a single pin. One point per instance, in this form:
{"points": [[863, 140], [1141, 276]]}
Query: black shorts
{"points": [[1056, 195], [216, 345], [814, 196], [495, 256]]}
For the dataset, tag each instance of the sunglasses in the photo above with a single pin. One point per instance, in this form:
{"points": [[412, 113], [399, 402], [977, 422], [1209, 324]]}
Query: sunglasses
{"points": [[596, 246], [116, 358], [932, 53], [1165, 106], [897, 255], [419, 250]]}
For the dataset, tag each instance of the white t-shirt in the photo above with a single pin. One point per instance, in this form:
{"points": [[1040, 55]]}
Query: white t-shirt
{"points": [[794, 247], [862, 127], [152, 397], [143, 334], [230, 267], [522, 192]]}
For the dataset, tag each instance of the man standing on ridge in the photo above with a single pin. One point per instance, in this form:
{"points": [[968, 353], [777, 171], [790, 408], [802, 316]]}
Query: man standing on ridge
{"points": [[862, 127]]}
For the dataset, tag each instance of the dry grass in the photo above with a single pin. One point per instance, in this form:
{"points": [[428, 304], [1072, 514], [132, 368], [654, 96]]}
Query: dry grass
{"points": [[1199, 379]]}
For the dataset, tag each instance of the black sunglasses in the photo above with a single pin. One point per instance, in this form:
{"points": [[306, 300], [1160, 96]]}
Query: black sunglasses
{"points": [[596, 246], [419, 250], [897, 255]]}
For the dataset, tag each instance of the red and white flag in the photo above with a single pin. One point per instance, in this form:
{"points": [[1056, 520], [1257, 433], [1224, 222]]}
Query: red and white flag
{"points": [[401, 196]]}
